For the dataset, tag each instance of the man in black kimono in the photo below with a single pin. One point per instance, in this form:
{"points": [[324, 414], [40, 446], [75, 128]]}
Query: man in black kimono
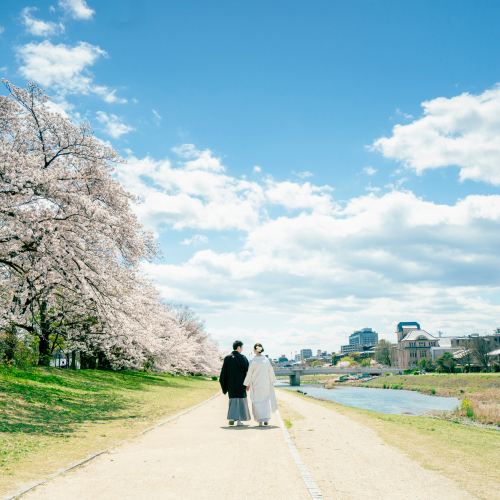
{"points": [[232, 375]]}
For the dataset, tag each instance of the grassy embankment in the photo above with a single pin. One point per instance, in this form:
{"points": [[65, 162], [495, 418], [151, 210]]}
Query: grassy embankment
{"points": [[51, 418], [469, 455], [480, 391]]}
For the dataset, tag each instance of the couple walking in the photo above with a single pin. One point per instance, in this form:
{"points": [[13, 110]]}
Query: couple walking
{"points": [[257, 377]]}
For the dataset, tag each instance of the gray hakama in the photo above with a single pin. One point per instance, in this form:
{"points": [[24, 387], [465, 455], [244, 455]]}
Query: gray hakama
{"points": [[238, 409], [232, 376]]}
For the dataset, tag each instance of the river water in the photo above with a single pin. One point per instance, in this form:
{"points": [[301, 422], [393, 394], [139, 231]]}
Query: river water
{"points": [[381, 400]]}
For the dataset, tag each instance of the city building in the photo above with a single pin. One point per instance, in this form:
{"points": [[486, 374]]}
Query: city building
{"points": [[306, 353], [297, 357], [361, 340], [282, 359], [413, 345]]}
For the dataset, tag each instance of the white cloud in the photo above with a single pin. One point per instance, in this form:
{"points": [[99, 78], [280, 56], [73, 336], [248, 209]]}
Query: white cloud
{"points": [[398, 112], [63, 68], [322, 266], [134, 100], [77, 9], [113, 124], [303, 175], [38, 27], [292, 196], [197, 239], [369, 170], [157, 117], [256, 169], [462, 131], [2, 29], [372, 189], [111, 98]]}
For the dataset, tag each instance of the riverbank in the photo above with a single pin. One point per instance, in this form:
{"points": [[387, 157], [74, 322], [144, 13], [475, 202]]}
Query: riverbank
{"points": [[467, 455], [479, 392], [51, 418]]}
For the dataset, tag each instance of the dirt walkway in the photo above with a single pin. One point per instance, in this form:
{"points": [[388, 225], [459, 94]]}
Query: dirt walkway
{"points": [[196, 456], [348, 461]]}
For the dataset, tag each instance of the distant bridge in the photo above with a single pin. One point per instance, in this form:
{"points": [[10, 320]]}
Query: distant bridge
{"points": [[295, 373]]}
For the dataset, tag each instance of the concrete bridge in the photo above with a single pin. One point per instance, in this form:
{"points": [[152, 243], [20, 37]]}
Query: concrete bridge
{"points": [[295, 373]]}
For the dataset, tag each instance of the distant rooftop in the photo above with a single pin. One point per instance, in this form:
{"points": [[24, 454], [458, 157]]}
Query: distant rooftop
{"points": [[406, 324], [415, 334]]}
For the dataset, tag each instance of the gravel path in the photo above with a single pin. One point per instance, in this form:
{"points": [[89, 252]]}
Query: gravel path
{"points": [[348, 461], [197, 456]]}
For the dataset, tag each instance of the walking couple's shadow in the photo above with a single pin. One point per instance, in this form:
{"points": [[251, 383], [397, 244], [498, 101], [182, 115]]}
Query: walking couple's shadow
{"points": [[257, 427]]}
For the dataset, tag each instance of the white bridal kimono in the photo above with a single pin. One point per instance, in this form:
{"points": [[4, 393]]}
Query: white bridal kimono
{"points": [[260, 378]]}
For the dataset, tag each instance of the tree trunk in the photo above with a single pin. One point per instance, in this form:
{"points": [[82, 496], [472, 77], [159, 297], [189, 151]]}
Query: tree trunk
{"points": [[10, 343], [87, 362], [104, 364], [44, 353], [73, 360]]}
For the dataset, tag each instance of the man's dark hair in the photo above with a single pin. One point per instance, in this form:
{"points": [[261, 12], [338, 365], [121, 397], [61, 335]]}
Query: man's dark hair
{"points": [[236, 344]]}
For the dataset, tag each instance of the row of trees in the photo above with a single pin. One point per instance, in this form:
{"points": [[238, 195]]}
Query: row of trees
{"points": [[70, 249]]}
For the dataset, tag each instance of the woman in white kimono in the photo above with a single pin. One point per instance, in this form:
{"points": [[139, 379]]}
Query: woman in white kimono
{"points": [[259, 381]]}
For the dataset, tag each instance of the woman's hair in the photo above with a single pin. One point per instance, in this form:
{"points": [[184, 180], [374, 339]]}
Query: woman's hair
{"points": [[258, 345]]}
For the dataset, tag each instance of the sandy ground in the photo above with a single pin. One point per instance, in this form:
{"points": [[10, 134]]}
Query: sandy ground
{"points": [[197, 456], [348, 461]]}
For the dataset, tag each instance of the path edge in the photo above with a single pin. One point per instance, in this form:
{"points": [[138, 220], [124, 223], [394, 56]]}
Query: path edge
{"points": [[304, 472], [24, 490]]}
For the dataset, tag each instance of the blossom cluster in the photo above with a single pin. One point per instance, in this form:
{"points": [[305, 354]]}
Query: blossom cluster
{"points": [[70, 247]]}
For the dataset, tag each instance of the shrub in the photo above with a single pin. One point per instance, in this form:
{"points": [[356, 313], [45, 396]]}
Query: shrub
{"points": [[433, 391], [496, 367], [416, 372], [214, 377], [388, 374], [467, 406]]}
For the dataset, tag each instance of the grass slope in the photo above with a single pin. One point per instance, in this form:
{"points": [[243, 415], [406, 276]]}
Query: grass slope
{"points": [[451, 385], [469, 455], [50, 418]]}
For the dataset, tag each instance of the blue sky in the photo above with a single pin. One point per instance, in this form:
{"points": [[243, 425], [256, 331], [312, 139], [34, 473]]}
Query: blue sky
{"points": [[296, 182]]}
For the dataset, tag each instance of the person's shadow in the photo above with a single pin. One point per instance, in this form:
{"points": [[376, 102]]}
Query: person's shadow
{"points": [[253, 427]]}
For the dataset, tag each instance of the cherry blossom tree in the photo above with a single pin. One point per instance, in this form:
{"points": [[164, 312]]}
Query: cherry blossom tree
{"points": [[71, 246]]}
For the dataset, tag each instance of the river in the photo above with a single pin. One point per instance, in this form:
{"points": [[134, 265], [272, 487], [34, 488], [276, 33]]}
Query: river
{"points": [[380, 400]]}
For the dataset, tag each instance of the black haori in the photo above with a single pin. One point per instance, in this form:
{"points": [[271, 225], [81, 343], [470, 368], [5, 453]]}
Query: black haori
{"points": [[232, 375]]}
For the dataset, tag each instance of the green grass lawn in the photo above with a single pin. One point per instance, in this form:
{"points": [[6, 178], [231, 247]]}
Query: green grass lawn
{"points": [[50, 418]]}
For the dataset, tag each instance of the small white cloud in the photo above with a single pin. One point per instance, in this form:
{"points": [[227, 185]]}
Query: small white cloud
{"points": [[157, 117], [128, 151], [372, 189], [134, 100], [77, 9], [2, 29], [111, 98], [38, 27], [303, 175], [113, 125], [369, 170], [197, 239], [256, 169]]}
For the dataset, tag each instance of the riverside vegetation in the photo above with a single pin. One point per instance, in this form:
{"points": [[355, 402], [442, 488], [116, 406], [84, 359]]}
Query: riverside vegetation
{"points": [[479, 392], [51, 418]]}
